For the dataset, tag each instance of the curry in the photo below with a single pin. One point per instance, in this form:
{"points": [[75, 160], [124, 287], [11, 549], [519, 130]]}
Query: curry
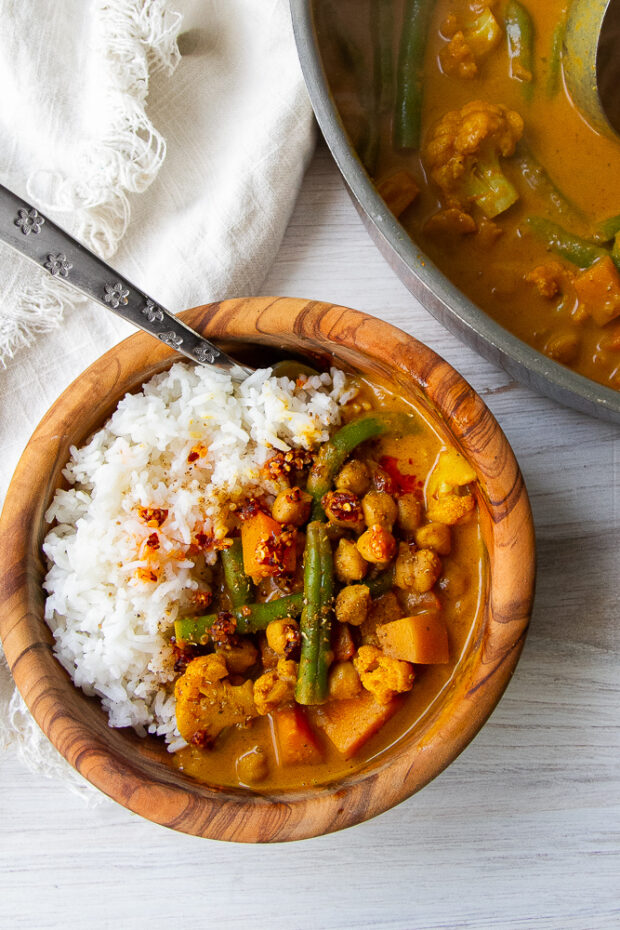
{"points": [[460, 113], [341, 607]]}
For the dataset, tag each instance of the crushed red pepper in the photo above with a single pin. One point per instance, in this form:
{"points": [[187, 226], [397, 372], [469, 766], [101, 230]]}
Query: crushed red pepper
{"points": [[405, 484], [153, 516]]}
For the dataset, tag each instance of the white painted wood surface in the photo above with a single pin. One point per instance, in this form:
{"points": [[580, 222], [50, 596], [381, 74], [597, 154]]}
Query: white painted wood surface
{"points": [[522, 831]]}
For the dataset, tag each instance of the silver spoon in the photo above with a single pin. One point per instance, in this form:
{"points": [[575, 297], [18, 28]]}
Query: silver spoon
{"points": [[591, 62], [27, 231]]}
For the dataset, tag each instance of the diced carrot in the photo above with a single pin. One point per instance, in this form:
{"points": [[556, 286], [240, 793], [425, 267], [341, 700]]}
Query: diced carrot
{"points": [[422, 639], [343, 646], [296, 743], [399, 191], [350, 723], [264, 551], [598, 290]]}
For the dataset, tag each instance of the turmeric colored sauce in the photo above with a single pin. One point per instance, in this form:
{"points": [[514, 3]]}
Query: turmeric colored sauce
{"points": [[582, 163], [407, 460]]}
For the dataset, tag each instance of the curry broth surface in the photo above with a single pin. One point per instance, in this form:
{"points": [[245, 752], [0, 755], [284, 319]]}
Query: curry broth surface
{"points": [[461, 592], [583, 163]]}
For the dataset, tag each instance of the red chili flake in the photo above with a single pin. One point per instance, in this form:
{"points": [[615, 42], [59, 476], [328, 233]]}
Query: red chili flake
{"points": [[145, 574], [153, 541], [197, 452], [406, 484], [222, 631], [272, 552], [283, 463], [183, 653], [342, 507], [383, 481], [250, 508], [152, 516], [200, 542], [201, 740], [201, 599]]}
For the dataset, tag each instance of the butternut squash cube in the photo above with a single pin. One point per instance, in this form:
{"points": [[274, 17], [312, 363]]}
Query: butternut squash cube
{"points": [[349, 724], [422, 639]]}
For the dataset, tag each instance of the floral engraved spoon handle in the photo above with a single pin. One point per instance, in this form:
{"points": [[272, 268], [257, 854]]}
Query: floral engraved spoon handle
{"points": [[29, 232]]}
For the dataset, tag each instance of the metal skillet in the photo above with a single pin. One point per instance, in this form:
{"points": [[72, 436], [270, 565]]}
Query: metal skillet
{"points": [[421, 276]]}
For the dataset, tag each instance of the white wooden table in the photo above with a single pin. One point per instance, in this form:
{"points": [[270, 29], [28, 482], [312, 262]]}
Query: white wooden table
{"points": [[523, 830]]}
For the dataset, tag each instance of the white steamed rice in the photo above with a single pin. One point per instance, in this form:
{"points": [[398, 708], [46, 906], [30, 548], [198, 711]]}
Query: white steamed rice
{"points": [[111, 628]]}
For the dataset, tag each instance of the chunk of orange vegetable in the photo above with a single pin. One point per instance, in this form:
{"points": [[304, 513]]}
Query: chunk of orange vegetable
{"points": [[296, 743], [399, 191], [598, 290], [422, 639], [349, 724], [268, 547], [343, 646]]}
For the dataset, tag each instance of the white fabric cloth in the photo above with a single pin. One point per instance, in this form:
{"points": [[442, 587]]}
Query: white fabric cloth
{"points": [[171, 137]]}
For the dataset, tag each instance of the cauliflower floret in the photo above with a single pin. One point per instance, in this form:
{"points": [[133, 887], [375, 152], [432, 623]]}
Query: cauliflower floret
{"points": [[462, 156], [457, 57], [449, 498], [450, 223], [470, 41], [549, 279], [206, 703], [383, 676], [275, 687]]}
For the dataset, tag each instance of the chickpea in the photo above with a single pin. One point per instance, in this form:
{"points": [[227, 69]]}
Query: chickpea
{"points": [[564, 347], [376, 545], [409, 513], [344, 682], [354, 477], [292, 506], [435, 536], [239, 656], [348, 562], [271, 691], [352, 604], [252, 766], [427, 569], [383, 610], [379, 507], [287, 671], [343, 509], [404, 567], [455, 581], [283, 637]]}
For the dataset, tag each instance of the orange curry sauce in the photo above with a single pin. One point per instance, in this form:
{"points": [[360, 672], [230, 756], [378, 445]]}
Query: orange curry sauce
{"points": [[582, 163], [408, 460]]}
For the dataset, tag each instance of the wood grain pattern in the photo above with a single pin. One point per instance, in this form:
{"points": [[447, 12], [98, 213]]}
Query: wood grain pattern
{"points": [[137, 773]]}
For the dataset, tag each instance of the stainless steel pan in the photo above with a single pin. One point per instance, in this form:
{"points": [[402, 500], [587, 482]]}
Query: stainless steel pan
{"points": [[445, 301]]}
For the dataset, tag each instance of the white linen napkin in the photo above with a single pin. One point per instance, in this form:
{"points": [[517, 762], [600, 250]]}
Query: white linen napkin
{"points": [[170, 136]]}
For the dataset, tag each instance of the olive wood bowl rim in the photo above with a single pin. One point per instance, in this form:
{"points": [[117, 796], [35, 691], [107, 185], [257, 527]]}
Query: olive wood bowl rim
{"points": [[131, 770]]}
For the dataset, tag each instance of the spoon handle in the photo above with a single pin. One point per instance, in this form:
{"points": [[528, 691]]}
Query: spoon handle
{"points": [[27, 231]]}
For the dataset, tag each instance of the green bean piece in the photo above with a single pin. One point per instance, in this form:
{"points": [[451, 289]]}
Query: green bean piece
{"points": [[520, 38], [410, 74], [333, 453], [608, 229], [566, 244], [536, 177], [555, 58], [316, 616], [615, 251], [382, 25], [250, 619], [381, 583], [355, 63], [239, 586]]}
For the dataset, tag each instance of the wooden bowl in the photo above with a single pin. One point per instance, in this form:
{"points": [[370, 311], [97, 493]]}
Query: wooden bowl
{"points": [[138, 772]]}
